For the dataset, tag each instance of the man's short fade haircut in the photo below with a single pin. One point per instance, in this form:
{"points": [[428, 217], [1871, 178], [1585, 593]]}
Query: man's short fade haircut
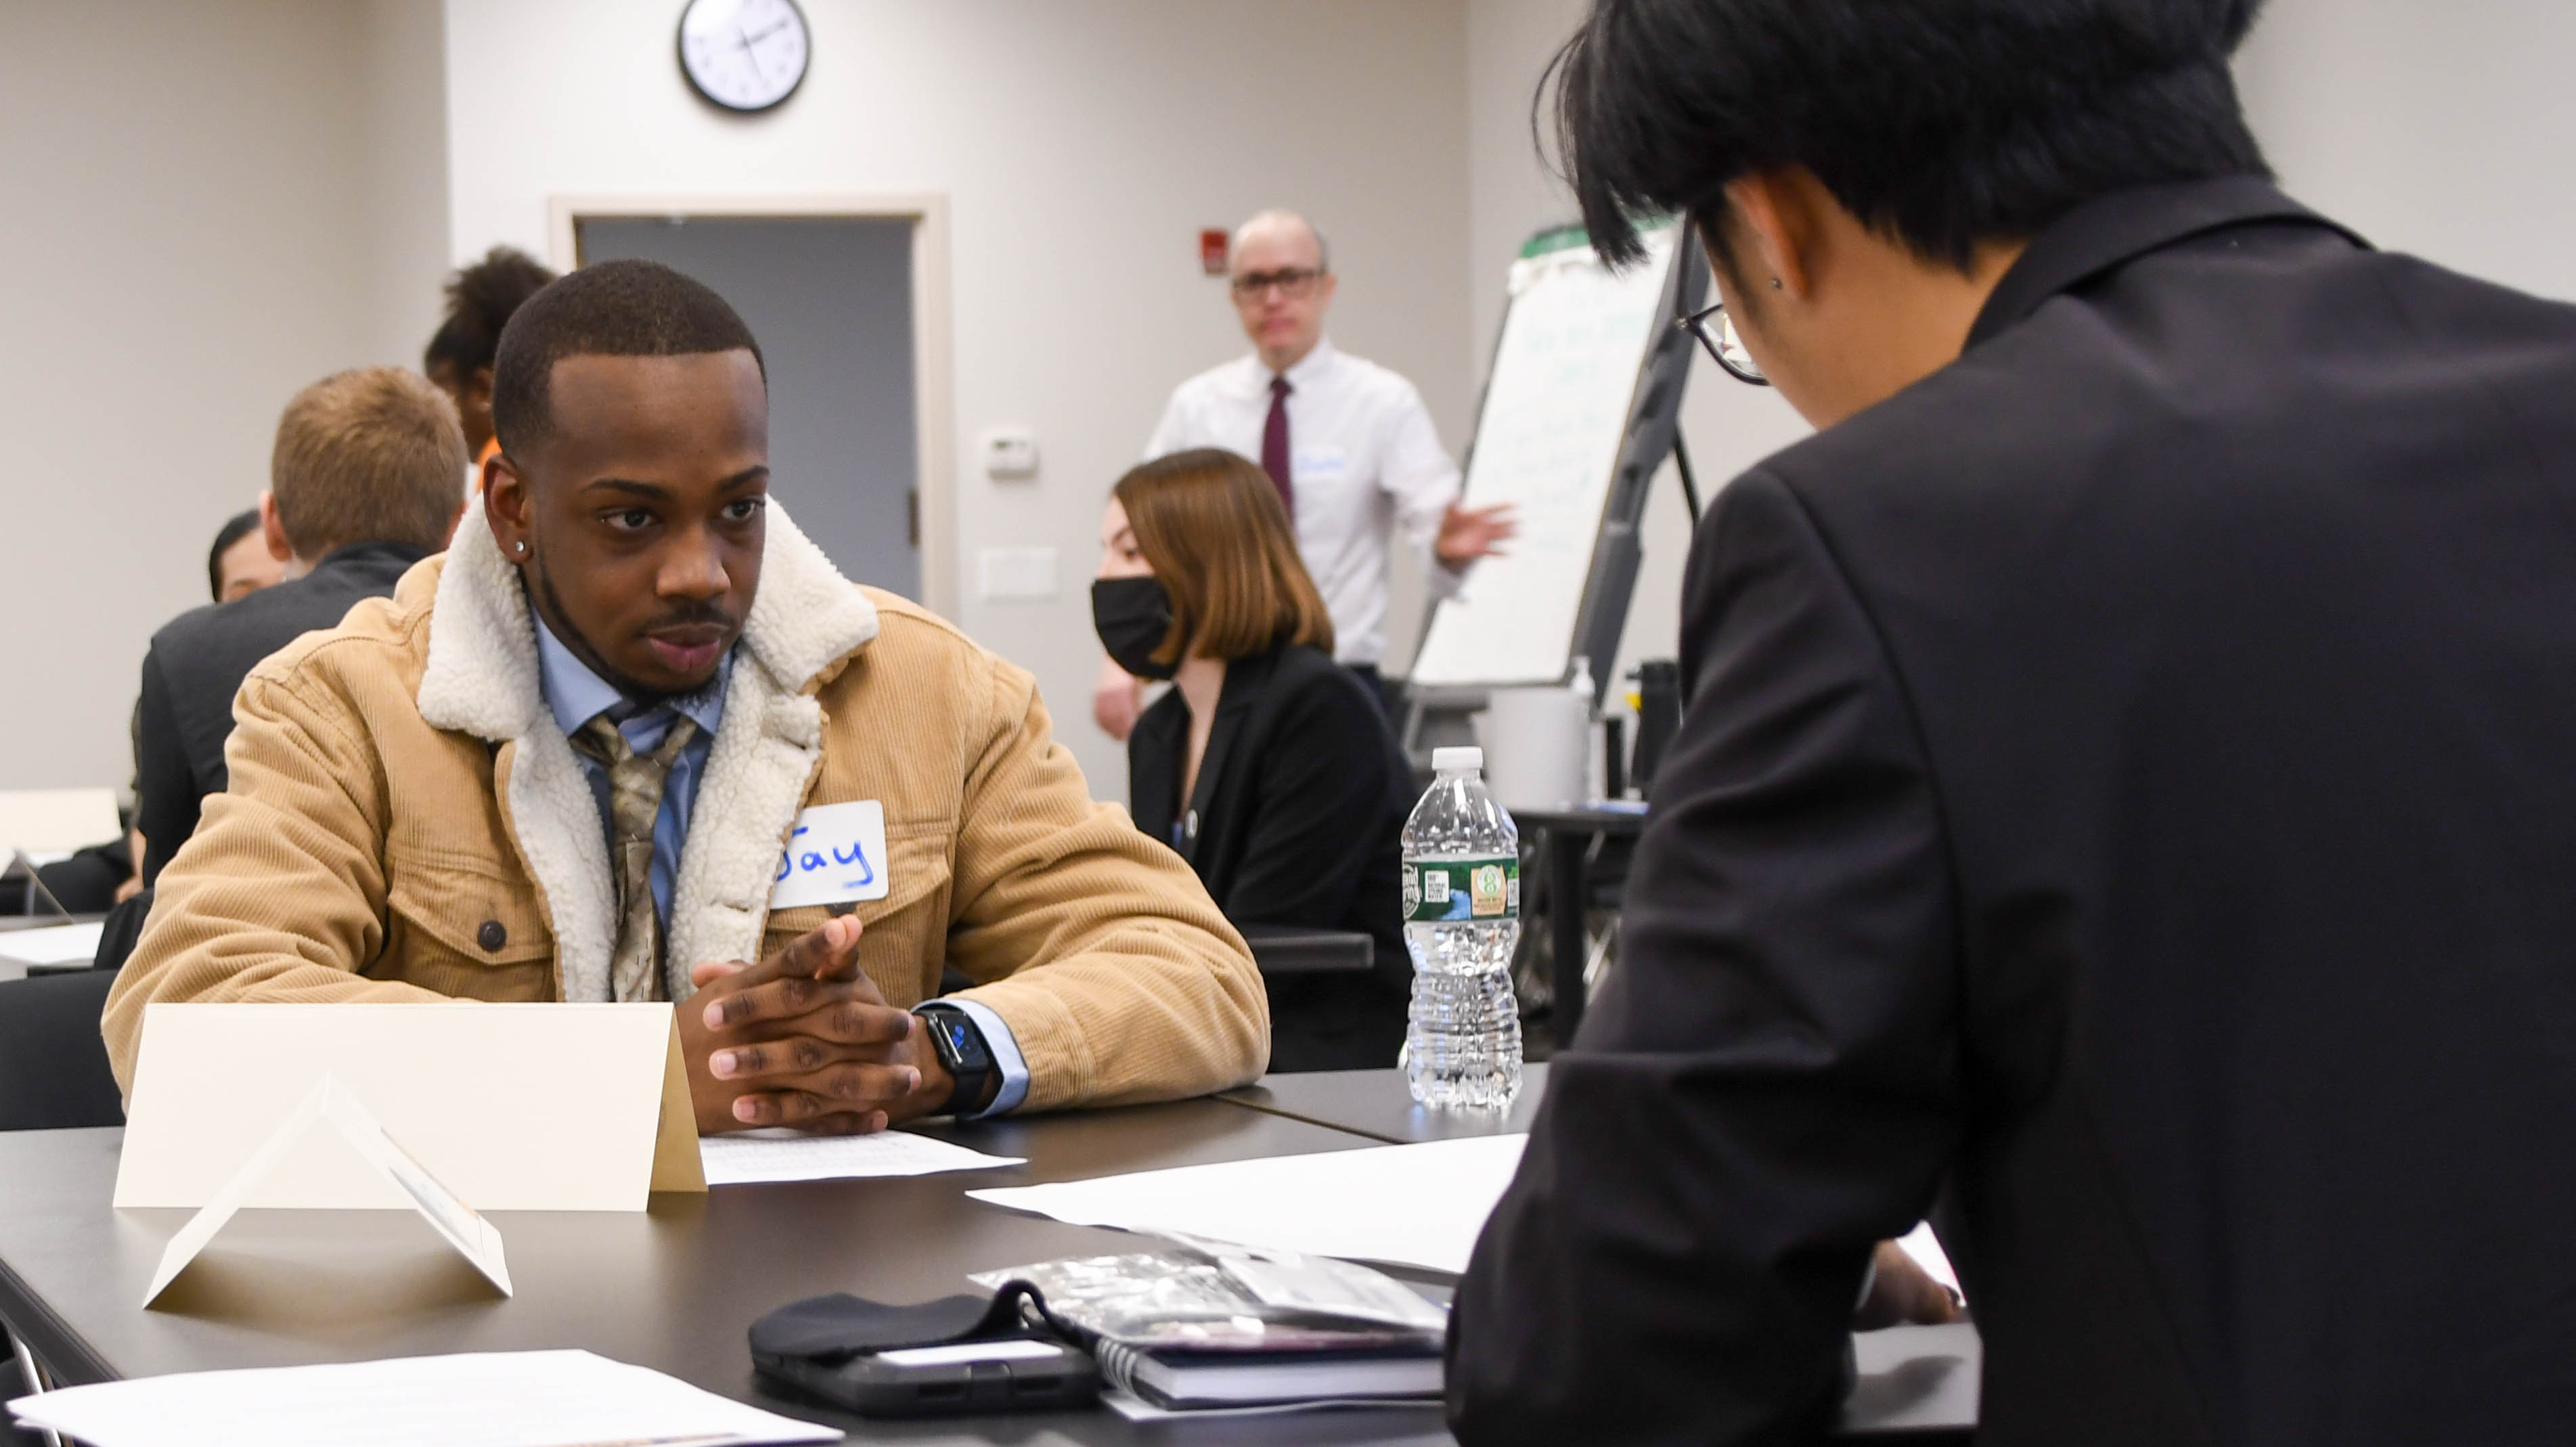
{"points": [[1942, 124], [611, 309]]}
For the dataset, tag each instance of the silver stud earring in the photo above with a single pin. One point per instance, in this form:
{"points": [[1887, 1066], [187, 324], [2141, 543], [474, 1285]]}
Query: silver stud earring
{"points": [[522, 548], [1775, 283]]}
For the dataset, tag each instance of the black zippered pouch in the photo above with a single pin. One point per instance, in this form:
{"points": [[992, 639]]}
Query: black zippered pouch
{"points": [[954, 1356]]}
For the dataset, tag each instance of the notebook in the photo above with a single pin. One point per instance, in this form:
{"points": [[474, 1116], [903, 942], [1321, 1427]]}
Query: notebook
{"points": [[1186, 1380]]}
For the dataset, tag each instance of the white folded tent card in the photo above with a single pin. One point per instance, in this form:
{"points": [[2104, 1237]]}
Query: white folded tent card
{"points": [[56, 821], [571, 1107], [329, 1107]]}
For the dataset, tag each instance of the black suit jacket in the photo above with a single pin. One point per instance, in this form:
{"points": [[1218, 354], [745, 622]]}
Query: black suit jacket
{"points": [[2132, 774], [197, 663], [1300, 802]]}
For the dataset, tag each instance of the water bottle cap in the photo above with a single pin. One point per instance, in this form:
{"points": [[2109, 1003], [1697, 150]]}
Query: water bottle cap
{"points": [[1452, 761]]}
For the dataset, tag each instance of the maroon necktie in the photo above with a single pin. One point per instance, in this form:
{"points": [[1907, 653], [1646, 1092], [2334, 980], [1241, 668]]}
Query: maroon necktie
{"points": [[1274, 446]]}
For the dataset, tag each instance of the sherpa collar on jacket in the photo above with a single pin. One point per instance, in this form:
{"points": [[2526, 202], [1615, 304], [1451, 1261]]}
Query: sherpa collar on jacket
{"points": [[481, 678]]}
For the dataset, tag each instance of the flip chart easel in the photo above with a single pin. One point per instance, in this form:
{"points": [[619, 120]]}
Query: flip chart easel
{"points": [[1579, 412]]}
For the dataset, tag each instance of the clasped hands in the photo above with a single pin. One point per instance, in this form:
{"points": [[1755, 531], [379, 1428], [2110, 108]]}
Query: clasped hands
{"points": [[804, 1040]]}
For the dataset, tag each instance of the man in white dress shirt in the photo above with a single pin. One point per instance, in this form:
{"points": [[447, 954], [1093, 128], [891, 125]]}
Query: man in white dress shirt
{"points": [[1347, 443]]}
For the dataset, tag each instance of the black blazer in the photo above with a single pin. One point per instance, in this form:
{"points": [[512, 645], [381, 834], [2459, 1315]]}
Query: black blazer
{"points": [[1299, 803], [197, 663], [2131, 774]]}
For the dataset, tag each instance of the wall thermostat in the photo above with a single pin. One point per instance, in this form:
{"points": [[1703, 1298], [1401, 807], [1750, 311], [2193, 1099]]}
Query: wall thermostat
{"points": [[1010, 453]]}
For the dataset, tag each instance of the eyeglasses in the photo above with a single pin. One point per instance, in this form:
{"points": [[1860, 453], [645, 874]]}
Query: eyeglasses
{"points": [[1724, 346], [1295, 283]]}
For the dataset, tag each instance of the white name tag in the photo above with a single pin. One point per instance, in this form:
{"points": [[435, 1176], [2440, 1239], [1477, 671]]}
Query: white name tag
{"points": [[836, 854], [1319, 462]]}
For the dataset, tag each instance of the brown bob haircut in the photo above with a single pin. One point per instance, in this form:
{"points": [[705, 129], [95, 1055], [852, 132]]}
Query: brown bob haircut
{"points": [[1213, 528], [368, 456]]}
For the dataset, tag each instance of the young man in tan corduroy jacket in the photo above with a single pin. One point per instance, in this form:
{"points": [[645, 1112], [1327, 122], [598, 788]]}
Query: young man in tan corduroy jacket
{"points": [[410, 818]]}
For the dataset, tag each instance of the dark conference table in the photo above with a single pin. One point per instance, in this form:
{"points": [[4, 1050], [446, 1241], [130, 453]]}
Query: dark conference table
{"points": [[674, 1288]]}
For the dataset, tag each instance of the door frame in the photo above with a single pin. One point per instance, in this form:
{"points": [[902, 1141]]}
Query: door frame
{"points": [[934, 424]]}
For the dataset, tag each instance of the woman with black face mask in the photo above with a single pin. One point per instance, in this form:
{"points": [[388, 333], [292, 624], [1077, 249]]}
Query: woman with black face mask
{"points": [[1267, 766]]}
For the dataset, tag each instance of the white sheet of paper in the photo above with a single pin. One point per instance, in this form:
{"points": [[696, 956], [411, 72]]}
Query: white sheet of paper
{"points": [[1416, 1205], [500, 1399], [835, 855], [329, 1102], [453, 1082], [753, 1156], [53, 945]]}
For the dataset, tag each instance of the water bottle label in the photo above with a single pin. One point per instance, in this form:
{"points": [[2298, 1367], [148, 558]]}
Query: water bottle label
{"points": [[1468, 889]]}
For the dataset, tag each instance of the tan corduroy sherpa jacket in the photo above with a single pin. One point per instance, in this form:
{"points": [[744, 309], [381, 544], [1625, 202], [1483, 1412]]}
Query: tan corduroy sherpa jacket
{"points": [[406, 822]]}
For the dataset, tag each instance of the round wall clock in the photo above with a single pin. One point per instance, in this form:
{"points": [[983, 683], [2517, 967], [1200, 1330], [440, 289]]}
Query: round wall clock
{"points": [[745, 55]]}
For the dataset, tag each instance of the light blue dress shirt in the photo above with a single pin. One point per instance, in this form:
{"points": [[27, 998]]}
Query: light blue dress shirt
{"points": [[575, 696]]}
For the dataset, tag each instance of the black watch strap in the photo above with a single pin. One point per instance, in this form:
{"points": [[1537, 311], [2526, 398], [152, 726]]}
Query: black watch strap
{"points": [[959, 1043]]}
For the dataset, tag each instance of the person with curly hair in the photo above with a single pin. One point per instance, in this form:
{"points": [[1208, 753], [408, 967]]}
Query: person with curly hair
{"points": [[480, 299]]}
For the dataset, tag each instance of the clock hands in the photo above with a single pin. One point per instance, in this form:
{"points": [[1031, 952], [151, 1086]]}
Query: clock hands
{"points": [[746, 43]]}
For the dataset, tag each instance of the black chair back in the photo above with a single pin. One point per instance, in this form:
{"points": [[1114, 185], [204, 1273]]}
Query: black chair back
{"points": [[53, 1065]]}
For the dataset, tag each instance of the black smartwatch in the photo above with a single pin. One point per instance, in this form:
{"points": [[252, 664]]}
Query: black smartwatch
{"points": [[959, 1043]]}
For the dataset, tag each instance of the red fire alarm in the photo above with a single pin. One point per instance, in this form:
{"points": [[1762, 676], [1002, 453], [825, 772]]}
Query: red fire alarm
{"points": [[1212, 248]]}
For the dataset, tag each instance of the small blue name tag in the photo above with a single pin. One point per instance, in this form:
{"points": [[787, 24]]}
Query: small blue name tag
{"points": [[835, 854]]}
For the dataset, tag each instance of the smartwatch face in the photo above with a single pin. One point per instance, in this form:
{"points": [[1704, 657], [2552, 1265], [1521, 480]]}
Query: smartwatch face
{"points": [[965, 1042]]}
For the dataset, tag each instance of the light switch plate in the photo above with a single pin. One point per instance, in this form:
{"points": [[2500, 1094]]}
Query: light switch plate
{"points": [[1016, 573]]}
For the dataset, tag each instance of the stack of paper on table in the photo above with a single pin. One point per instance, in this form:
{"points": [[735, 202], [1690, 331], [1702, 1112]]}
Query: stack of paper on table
{"points": [[1417, 1205], [512, 1399]]}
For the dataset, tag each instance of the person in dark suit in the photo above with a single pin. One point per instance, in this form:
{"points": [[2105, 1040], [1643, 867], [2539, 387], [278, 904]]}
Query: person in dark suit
{"points": [[2128, 774], [1267, 766], [367, 478]]}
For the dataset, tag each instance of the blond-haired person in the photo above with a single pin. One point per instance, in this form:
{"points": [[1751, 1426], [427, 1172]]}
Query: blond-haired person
{"points": [[364, 481], [1268, 767]]}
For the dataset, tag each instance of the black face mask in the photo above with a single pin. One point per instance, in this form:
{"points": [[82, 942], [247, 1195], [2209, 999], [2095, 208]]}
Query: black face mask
{"points": [[1133, 616]]}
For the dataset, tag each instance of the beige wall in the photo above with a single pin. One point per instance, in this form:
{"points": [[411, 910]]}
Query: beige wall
{"points": [[1081, 148], [2438, 129], [191, 236]]}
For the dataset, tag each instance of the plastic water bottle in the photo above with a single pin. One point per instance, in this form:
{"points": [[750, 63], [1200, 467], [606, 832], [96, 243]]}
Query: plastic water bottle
{"points": [[1462, 916]]}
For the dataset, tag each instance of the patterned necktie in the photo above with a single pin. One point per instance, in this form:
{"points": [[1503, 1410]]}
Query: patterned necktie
{"points": [[1274, 446], [635, 801]]}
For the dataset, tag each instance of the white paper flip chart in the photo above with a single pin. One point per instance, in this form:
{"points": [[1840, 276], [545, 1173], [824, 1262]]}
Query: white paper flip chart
{"points": [[1547, 441]]}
